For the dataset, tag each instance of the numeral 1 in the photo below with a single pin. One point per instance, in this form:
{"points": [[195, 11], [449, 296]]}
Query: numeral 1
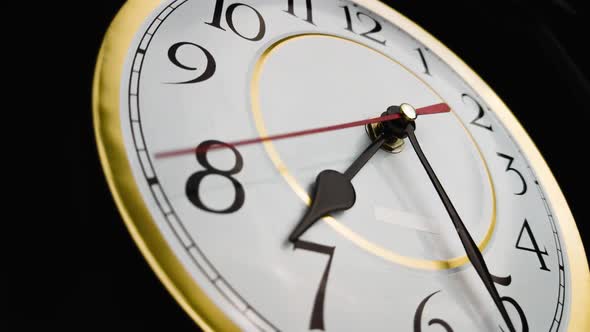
{"points": [[348, 18], [424, 63]]}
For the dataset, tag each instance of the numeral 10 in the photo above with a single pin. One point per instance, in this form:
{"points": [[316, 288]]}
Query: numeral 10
{"points": [[229, 18]]}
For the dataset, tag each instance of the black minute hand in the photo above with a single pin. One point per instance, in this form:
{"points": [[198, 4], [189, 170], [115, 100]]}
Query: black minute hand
{"points": [[334, 191], [473, 252]]}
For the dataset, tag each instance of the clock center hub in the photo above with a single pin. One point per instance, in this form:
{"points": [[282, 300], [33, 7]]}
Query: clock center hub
{"points": [[392, 129]]}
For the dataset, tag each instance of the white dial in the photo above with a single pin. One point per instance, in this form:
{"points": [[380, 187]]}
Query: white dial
{"points": [[199, 73]]}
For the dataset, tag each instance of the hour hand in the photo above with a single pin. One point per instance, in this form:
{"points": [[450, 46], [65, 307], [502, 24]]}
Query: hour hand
{"points": [[333, 192]]}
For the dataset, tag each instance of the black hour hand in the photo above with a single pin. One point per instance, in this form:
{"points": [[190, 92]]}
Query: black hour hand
{"points": [[333, 192]]}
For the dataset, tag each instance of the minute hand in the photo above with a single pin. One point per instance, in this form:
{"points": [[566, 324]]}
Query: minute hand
{"points": [[471, 248]]}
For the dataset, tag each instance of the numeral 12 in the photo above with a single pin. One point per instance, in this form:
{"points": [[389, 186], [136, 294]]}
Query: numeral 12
{"points": [[376, 25]]}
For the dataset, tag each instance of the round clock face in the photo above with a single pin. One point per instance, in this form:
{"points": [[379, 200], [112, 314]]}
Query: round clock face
{"points": [[200, 77]]}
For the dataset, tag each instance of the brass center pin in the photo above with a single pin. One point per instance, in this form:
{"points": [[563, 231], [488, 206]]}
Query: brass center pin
{"points": [[393, 144]]}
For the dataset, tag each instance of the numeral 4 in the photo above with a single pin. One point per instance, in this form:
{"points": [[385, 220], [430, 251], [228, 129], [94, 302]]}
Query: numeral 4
{"points": [[535, 248]]}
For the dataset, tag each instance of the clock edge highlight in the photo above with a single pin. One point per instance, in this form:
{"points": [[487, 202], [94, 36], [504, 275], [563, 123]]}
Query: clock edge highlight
{"points": [[158, 254]]}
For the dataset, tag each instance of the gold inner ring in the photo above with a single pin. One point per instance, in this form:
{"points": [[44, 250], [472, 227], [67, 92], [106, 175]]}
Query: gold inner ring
{"points": [[343, 230]]}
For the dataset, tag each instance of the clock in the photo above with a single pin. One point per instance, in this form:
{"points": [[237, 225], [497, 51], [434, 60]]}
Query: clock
{"points": [[181, 87]]}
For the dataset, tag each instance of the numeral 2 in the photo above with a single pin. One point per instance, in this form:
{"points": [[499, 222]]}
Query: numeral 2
{"points": [[480, 113]]}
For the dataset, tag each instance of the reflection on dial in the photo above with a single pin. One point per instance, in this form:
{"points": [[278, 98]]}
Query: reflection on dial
{"points": [[227, 214]]}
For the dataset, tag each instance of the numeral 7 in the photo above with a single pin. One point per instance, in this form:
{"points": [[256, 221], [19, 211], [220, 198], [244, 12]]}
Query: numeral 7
{"points": [[317, 314]]}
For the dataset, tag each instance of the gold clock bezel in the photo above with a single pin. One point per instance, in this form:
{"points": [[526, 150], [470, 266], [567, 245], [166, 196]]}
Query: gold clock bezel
{"points": [[158, 253]]}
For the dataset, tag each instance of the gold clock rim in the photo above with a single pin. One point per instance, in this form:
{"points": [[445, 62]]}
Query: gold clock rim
{"points": [[109, 138], [158, 253]]}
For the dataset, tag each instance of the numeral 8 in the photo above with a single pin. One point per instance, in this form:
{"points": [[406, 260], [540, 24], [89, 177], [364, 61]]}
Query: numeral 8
{"points": [[194, 181]]}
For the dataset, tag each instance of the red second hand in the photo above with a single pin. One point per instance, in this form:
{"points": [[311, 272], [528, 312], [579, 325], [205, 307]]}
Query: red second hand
{"points": [[432, 109]]}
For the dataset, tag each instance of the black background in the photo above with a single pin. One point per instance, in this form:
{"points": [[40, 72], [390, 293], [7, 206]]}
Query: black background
{"points": [[530, 52]]}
